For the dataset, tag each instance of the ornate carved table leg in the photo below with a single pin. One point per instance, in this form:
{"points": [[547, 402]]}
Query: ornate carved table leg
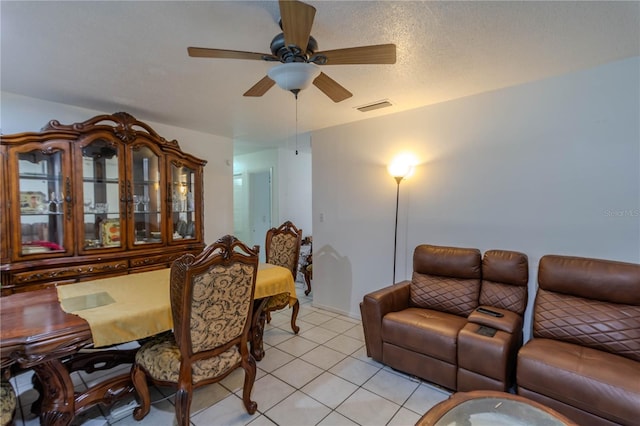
{"points": [[57, 407], [257, 328]]}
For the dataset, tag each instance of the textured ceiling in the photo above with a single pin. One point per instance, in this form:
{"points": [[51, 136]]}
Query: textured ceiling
{"points": [[132, 56]]}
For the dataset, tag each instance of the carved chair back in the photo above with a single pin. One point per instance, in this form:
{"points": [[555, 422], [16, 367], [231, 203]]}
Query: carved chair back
{"points": [[212, 298], [283, 246]]}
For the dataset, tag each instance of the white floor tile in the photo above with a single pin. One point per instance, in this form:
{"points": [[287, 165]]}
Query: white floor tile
{"points": [[162, 413], [329, 389], [404, 417], [281, 318], [359, 408], [338, 325], [354, 370], [318, 334], [297, 373], [297, 346], [356, 332], [317, 318], [273, 359], [391, 386], [298, 409], [323, 357], [336, 419], [268, 391], [208, 395], [261, 420], [229, 412], [274, 335], [424, 398], [345, 344]]}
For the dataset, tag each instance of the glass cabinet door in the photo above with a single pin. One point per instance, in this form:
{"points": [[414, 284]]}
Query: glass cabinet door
{"points": [[45, 198], [101, 195], [183, 208], [145, 201]]}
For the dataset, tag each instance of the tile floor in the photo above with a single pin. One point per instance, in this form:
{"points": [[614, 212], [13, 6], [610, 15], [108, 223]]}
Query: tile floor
{"points": [[322, 376]]}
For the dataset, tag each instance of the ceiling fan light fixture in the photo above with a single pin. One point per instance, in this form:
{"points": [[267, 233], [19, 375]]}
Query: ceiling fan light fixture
{"points": [[294, 75]]}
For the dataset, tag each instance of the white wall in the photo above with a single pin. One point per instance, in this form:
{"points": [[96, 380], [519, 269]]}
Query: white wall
{"points": [[294, 183], [547, 167], [22, 114], [291, 183]]}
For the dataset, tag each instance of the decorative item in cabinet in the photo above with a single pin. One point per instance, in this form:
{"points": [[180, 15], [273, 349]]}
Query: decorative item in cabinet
{"points": [[92, 193], [33, 202], [110, 232]]}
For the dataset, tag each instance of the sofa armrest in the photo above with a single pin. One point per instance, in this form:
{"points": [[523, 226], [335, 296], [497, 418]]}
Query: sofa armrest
{"points": [[510, 322], [374, 307]]}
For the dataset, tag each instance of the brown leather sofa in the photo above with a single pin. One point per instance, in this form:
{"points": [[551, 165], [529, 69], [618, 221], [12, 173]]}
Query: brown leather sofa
{"points": [[584, 357], [429, 327]]}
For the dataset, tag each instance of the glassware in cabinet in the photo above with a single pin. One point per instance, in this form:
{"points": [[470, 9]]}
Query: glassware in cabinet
{"points": [[146, 196], [183, 208], [45, 198], [101, 194]]}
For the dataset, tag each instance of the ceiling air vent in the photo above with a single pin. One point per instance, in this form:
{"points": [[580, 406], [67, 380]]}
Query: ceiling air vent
{"points": [[374, 105]]}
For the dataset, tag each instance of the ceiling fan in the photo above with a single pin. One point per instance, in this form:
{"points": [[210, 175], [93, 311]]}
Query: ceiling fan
{"points": [[296, 49]]}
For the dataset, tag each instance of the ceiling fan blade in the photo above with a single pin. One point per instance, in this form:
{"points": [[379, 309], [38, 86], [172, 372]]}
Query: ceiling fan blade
{"points": [[203, 52], [297, 20], [331, 88], [261, 87], [376, 54]]}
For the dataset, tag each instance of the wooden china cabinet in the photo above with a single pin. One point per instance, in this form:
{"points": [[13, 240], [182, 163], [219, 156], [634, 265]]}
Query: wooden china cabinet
{"points": [[104, 197]]}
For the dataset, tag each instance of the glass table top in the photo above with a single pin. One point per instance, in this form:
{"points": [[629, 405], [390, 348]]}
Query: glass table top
{"points": [[87, 301]]}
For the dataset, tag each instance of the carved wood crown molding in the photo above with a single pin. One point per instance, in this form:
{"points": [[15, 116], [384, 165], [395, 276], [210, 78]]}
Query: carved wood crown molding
{"points": [[123, 127]]}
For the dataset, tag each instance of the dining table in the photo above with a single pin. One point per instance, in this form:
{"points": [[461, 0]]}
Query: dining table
{"points": [[78, 327]]}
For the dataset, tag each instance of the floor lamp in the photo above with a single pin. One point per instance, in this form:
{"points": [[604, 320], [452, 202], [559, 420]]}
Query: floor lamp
{"points": [[400, 168]]}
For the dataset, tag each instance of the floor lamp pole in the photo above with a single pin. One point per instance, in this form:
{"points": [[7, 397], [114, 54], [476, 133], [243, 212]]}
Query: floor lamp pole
{"points": [[395, 236]]}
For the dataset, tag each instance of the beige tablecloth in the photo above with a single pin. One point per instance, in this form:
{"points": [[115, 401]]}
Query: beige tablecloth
{"points": [[130, 307]]}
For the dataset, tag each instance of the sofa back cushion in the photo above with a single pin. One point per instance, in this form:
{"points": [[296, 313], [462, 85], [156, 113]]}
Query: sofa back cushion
{"points": [[446, 279], [589, 302], [505, 275]]}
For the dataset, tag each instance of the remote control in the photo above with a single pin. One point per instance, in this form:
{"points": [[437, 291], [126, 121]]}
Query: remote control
{"points": [[490, 312]]}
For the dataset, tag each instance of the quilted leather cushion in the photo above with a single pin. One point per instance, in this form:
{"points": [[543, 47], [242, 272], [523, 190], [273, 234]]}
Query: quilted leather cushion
{"points": [[597, 382], [458, 296], [160, 357], [505, 275], [599, 325], [424, 331], [8, 403], [504, 296]]}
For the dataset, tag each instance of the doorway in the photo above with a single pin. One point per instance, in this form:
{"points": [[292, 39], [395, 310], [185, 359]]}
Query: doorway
{"points": [[260, 195]]}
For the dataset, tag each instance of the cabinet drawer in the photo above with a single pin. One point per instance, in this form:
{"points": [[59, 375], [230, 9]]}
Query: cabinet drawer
{"points": [[68, 272], [165, 259]]}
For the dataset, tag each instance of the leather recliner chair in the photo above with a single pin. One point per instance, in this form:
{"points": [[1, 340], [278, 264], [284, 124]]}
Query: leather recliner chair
{"points": [[429, 326], [584, 357]]}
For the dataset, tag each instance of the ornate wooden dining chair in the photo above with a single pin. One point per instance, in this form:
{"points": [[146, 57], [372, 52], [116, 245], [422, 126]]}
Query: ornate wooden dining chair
{"points": [[212, 305], [283, 249]]}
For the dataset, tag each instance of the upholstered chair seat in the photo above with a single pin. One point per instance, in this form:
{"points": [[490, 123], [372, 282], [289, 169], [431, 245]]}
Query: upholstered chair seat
{"points": [[8, 403], [160, 357]]}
